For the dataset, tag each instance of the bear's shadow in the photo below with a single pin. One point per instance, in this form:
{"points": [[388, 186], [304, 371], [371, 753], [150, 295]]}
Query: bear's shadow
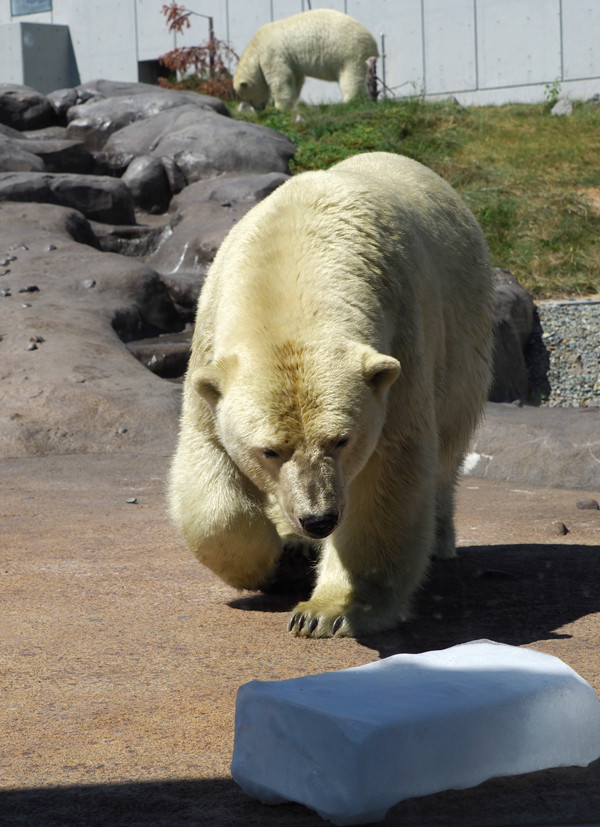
{"points": [[512, 594]]}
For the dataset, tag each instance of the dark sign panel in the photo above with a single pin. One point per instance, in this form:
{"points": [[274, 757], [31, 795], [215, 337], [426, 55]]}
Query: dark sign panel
{"points": [[18, 7]]}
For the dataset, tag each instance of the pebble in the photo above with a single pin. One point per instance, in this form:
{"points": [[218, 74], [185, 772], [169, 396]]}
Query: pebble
{"points": [[26, 304], [122, 431], [50, 248], [89, 283], [19, 246], [588, 504], [557, 529], [31, 346], [4, 272], [31, 288], [5, 292], [131, 500]]}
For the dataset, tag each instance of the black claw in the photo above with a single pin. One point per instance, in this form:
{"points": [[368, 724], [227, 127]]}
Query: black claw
{"points": [[336, 624], [301, 622], [313, 625], [292, 622]]}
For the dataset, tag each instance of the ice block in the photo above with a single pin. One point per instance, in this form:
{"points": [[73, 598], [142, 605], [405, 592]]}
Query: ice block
{"points": [[351, 744]]}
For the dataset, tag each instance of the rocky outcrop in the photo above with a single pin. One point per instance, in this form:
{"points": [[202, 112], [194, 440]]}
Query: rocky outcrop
{"points": [[23, 108], [513, 326], [80, 247], [113, 201], [69, 384], [99, 198]]}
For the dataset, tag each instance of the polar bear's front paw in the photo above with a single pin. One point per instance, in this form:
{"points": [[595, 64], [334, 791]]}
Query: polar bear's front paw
{"points": [[346, 615], [316, 619]]}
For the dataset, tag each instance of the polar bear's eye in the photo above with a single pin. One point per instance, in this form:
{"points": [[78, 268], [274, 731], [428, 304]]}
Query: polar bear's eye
{"points": [[342, 442], [269, 453]]}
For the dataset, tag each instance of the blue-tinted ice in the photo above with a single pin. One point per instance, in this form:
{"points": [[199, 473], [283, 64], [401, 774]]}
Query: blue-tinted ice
{"points": [[351, 744]]}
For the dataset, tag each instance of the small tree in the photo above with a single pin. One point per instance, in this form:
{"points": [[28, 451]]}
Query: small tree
{"points": [[204, 68]]}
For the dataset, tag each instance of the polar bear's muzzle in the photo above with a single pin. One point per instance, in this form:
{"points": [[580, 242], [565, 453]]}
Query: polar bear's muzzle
{"points": [[311, 495]]}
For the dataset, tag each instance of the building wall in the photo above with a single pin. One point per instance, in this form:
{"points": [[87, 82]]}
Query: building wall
{"points": [[480, 51]]}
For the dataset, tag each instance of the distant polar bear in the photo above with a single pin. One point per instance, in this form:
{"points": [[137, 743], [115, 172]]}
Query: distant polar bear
{"points": [[340, 362], [323, 43]]}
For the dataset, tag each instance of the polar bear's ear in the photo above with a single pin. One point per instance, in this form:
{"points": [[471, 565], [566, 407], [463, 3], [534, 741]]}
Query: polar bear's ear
{"points": [[206, 382], [209, 380], [379, 371]]}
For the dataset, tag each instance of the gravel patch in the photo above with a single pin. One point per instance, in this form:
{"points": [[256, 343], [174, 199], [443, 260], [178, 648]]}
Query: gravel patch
{"points": [[563, 355]]}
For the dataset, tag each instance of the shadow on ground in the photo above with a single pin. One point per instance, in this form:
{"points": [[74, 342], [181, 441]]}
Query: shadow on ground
{"points": [[553, 797], [514, 594]]}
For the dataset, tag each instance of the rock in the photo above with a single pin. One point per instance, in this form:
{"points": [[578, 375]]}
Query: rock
{"points": [[563, 106], [15, 158], [165, 355], [62, 100], [588, 504], [98, 197], [193, 144], [101, 89], [201, 216], [82, 384], [557, 529], [23, 108], [229, 189], [137, 241], [99, 117], [61, 155], [146, 178], [9, 132], [50, 133], [513, 323], [544, 447]]}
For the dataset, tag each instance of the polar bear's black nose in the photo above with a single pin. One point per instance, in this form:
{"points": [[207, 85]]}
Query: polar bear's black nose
{"points": [[320, 526]]}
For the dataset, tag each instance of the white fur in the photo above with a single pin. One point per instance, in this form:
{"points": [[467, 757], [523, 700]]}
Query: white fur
{"points": [[323, 43], [345, 325]]}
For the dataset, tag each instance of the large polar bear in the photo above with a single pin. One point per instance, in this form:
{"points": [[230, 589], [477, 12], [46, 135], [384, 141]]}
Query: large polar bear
{"points": [[340, 362], [323, 43]]}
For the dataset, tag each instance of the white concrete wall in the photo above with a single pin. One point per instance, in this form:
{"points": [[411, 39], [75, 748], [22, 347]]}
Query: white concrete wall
{"points": [[480, 51]]}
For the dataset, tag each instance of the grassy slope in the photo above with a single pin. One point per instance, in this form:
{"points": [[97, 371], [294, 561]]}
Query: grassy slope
{"points": [[532, 180]]}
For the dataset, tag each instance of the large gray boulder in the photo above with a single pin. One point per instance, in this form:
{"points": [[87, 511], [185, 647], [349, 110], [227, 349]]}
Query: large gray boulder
{"points": [[199, 219], [97, 90], [98, 197], [69, 383], [513, 326], [24, 108], [61, 155], [193, 143], [228, 190], [149, 184], [98, 118], [14, 157], [546, 447], [18, 153]]}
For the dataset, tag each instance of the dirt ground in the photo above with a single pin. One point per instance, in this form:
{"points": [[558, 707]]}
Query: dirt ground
{"points": [[121, 655]]}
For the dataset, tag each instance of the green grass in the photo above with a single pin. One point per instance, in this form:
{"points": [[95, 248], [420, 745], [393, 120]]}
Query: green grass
{"points": [[532, 180]]}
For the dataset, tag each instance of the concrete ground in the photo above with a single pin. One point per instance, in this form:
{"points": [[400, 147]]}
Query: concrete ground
{"points": [[121, 655]]}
